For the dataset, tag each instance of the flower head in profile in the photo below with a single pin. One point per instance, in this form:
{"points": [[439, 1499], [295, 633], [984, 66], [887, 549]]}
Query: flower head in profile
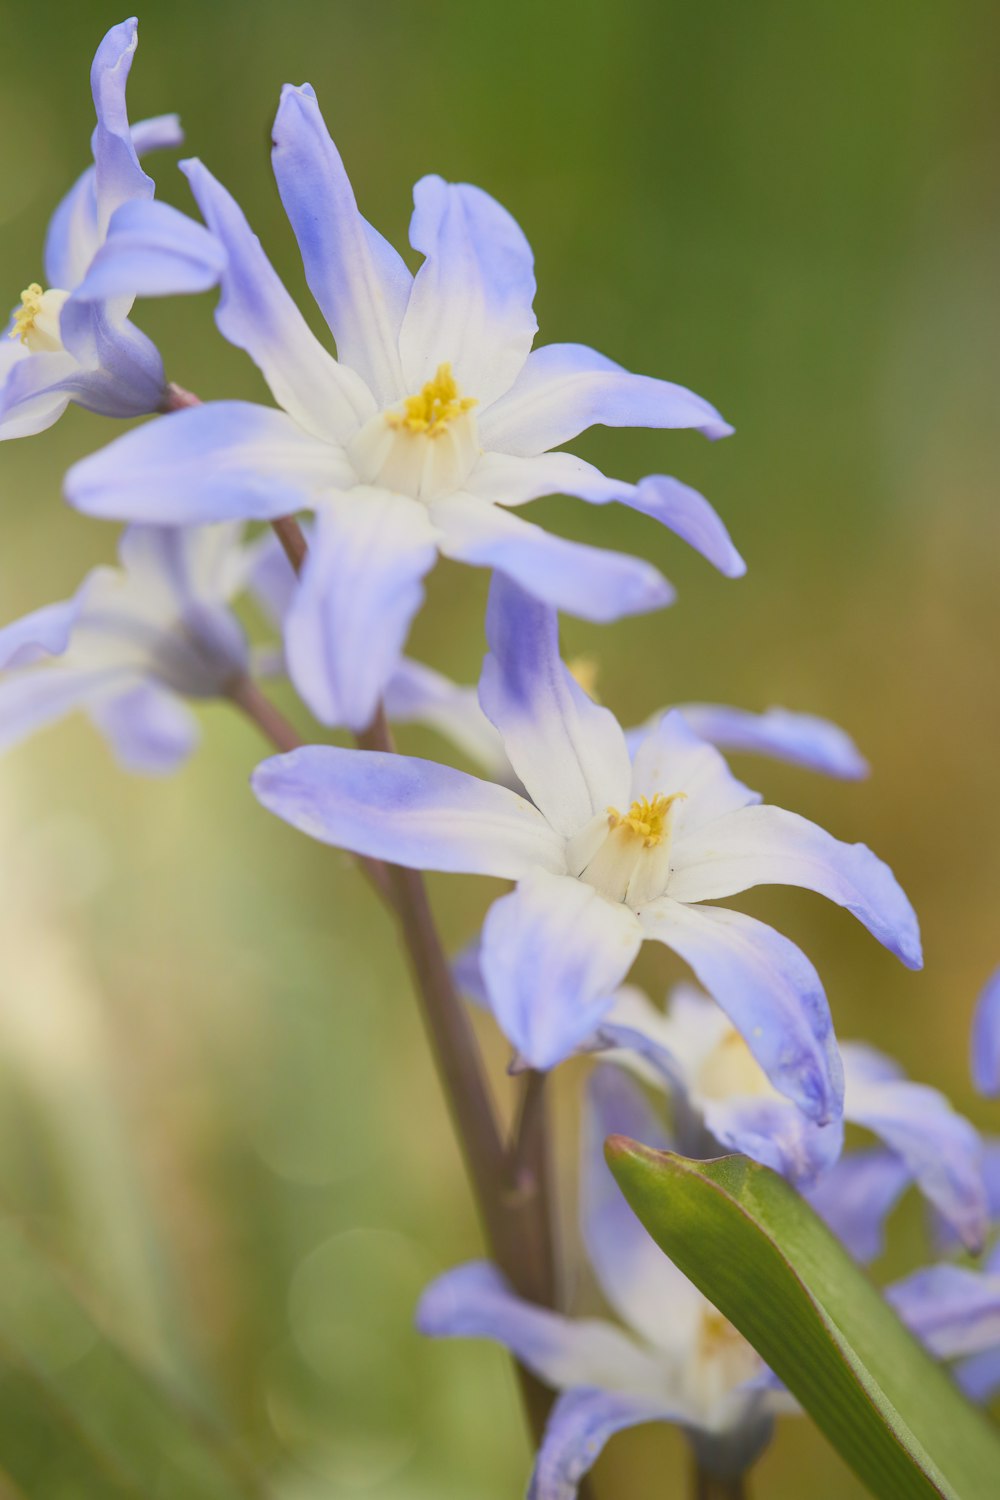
{"points": [[425, 435], [132, 643], [728, 1102], [607, 850], [109, 242], [676, 1359]]}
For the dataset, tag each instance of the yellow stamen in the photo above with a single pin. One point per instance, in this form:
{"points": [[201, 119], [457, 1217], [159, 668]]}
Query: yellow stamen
{"points": [[717, 1334], [650, 821], [24, 318], [437, 404]]}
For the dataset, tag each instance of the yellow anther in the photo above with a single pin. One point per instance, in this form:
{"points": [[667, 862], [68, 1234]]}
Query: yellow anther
{"points": [[431, 410], [649, 821], [717, 1333], [24, 318]]}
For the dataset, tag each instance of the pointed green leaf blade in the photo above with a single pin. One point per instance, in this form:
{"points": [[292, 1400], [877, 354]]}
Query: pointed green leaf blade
{"points": [[758, 1251]]}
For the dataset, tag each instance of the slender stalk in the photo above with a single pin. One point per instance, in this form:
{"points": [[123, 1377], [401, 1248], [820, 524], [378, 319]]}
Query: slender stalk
{"points": [[706, 1486], [511, 1187]]}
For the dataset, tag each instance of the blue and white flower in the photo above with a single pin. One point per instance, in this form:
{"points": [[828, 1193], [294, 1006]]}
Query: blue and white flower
{"points": [[694, 1048], [132, 644], [108, 243], [417, 694], [424, 436], [676, 1359], [607, 851], [955, 1311]]}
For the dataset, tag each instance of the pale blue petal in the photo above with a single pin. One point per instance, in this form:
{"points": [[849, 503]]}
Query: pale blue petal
{"points": [[40, 696], [256, 313], [589, 582], [123, 372], [224, 460], [72, 238], [36, 388], [507, 480], [477, 1301], [467, 972], [160, 133], [777, 1133], [856, 1196], [189, 575], [361, 587], [769, 846], [951, 1309], [45, 632], [768, 989], [416, 694], [945, 1236], [687, 513], [117, 173], [152, 250], [471, 303], [149, 729], [986, 1039], [568, 752], [553, 954], [617, 1036], [798, 739], [565, 388], [640, 1283], [360, 282], [941, 1149], [579, 1425], [670, 757], [979, 1375], [411, 812]]}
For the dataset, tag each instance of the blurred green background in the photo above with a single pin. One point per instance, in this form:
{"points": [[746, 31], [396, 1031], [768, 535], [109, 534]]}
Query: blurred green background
{"points": [[216, 1100]]}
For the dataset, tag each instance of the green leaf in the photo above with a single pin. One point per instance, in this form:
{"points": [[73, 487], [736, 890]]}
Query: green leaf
{"points": [[774, 1269], [79, 1417]]}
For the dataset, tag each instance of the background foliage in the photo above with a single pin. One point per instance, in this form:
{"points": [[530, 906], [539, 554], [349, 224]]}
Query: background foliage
{"points": [[215, 1102]]}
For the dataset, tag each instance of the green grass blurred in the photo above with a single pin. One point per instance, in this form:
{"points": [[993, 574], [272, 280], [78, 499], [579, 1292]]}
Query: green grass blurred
{"points": [[217, 1100]]}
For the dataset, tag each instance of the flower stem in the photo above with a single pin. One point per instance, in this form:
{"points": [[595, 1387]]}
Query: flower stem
{"points": [[511, 1187], [707, 1486]]}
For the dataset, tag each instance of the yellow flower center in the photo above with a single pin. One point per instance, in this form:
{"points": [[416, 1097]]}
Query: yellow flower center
{"points": [[36, 321], [731, 1071], [436, 405], [649, 821], [24, 318]]}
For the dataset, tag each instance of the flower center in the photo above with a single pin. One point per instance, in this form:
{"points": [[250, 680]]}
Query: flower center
{"points": [[731, 1071], [626, 856], [434, 408], [722, 1359], [36, 321], [648, 820], [427, 448]]}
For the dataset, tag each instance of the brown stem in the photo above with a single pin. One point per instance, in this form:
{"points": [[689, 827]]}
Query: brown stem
{"points": [[271, 722], [706, 1486], [529, 1186], [289, 534], [511, 1188]]}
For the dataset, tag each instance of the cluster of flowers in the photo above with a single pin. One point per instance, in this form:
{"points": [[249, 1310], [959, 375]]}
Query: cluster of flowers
{"points": [[434, 424]]}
